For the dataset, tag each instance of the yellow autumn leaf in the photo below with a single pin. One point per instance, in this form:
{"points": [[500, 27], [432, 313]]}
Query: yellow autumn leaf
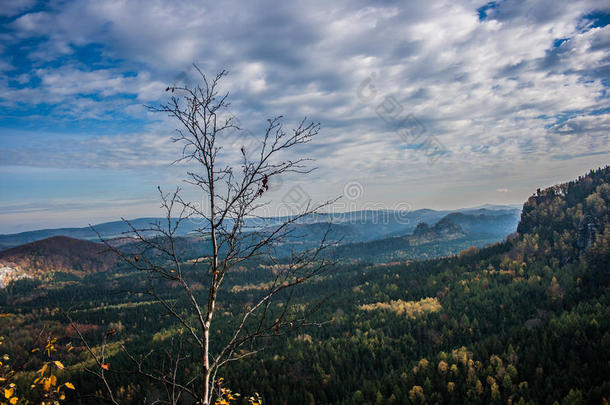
{"points": [[62, 397], [8, 392], [47, 384], [13, 400], [69, 385], [53, 379], [58, 364]]}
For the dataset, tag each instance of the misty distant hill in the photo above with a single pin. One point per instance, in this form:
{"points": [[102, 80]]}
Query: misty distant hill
{"points": [[354, 226], [444, 238], [493, 224]]}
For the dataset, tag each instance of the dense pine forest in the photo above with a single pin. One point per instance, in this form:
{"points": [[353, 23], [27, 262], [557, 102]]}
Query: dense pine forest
{"points": [[523, 321]]}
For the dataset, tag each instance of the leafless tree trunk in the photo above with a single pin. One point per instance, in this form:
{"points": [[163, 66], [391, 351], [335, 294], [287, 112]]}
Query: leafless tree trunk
{"points": [[233, 196]]}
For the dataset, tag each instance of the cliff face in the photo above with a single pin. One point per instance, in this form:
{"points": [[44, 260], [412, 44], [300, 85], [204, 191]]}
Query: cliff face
{"points": [[588, 228], [569, 218]]}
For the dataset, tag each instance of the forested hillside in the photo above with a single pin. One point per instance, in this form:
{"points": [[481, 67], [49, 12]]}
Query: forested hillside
{"points": [[59, 253], [526, 320]]}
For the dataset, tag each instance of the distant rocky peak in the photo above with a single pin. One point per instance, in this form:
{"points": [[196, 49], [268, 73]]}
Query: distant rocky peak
{"points": [[443, 227], [446, 225], [421, 229]]}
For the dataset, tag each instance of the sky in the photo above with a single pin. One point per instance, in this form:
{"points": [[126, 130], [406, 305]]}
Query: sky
{"points": [[422, 104]]}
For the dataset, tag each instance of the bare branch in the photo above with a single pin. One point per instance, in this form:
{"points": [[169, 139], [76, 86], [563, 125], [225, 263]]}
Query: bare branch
{"points": [[233, 194]]}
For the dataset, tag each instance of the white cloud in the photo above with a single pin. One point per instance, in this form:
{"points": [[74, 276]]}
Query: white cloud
{"points": [[497, 93]]}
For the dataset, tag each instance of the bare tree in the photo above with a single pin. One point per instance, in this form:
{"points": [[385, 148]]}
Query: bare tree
{"points": [[233, 195]]}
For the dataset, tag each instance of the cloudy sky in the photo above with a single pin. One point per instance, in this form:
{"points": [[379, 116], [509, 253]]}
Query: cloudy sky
{"points": [[437, 104]]}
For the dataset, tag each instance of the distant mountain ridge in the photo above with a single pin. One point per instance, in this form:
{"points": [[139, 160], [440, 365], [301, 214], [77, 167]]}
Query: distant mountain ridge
{"points": [[443, 238], [358, 225], [361, 235], [503, 223]]}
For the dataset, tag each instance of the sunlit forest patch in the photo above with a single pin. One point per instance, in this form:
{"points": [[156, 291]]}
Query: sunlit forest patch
{"points": [[410, 309]]}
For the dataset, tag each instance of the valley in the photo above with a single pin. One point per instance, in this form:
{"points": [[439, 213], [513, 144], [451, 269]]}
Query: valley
{"points": [[458, 309]]}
